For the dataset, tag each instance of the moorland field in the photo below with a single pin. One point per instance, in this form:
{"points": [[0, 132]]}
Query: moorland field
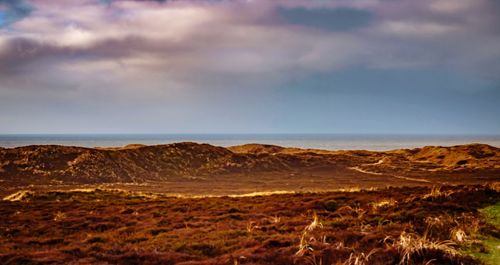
{"points": [[190, 203]]}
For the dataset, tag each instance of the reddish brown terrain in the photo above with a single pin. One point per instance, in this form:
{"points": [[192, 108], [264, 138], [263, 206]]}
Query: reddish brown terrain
{"points": [[190, 168], [418, 225], [191, 203]]}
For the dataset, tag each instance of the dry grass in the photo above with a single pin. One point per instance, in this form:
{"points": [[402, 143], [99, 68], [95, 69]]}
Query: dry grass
{"points": [[436, 193], [121, 228], [359, 258], [306, 238], [60, 216], [384, 203], [494, 186], [412, 245], [22, 195], [458, 235]]}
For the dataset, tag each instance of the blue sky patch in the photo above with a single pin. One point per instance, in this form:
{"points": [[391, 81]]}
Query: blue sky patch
{"points": [[339, 19], [13, 10], [2, 18]]}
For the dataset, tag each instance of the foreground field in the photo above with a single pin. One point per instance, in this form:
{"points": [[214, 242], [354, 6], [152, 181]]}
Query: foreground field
{"points": [[405, 225]]}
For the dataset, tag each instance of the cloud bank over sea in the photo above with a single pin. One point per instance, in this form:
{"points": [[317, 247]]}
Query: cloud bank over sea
{"points": [[148, 62]]}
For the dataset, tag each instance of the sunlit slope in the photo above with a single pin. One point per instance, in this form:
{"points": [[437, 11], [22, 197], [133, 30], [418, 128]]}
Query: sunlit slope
{"points": [[138, 163]]}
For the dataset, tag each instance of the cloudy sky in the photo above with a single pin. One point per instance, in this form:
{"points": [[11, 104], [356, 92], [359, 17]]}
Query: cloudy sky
{"points": [[250, 66]]}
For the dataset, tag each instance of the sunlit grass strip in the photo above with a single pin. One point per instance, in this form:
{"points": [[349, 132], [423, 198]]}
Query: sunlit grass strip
{"points": [[21, 195]]}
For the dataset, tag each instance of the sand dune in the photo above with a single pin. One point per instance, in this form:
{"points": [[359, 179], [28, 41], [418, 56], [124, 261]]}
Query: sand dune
{"points": [[53, 164]]}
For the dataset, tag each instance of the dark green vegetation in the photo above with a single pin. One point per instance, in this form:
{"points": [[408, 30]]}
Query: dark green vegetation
{"points": [[406, 225]]}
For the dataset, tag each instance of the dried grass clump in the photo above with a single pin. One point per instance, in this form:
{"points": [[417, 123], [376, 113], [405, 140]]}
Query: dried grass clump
{"points": [[359, 258], [494, 186], [307, 237], [59, 216], [350, 189], [437, 193], [461, 229], [411, 246], [438, 224], [251, 226], [458, 235], [383, 203]]}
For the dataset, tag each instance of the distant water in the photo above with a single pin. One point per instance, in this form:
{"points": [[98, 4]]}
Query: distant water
{"points": [[319, 141]]}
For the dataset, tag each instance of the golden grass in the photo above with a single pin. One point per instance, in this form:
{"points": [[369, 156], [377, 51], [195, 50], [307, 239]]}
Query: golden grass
{"points": [[494, 186], [59, 216], [436, 192], [21, 195], [306, 237], [359, 258], [410, 245], [384, 203]]}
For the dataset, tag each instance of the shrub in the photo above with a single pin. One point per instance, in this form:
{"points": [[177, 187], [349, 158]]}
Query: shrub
{"points": [[330, 206]]}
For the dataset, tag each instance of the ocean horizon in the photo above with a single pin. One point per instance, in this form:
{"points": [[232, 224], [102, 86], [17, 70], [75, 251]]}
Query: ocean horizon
{"points": [[376, 142]]}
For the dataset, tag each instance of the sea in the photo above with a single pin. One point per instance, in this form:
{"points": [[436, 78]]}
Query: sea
{"points": [[318, 141]]}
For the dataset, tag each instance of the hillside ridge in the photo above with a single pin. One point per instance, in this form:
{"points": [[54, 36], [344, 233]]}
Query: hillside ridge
{"points": [[139, 163]]}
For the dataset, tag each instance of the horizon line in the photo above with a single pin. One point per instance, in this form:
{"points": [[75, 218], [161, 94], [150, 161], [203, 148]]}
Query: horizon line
{"points": [[250, 134]]}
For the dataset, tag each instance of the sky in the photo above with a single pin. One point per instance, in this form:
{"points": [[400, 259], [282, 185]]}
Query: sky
{"points": [[250, 66]]}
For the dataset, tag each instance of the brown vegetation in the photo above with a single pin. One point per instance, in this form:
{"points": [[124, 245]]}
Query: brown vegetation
{"points": [[53, 165], [44, 220], [416, 225]]}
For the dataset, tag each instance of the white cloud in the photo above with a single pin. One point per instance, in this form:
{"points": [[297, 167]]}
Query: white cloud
{"points": [[412, 29]]}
